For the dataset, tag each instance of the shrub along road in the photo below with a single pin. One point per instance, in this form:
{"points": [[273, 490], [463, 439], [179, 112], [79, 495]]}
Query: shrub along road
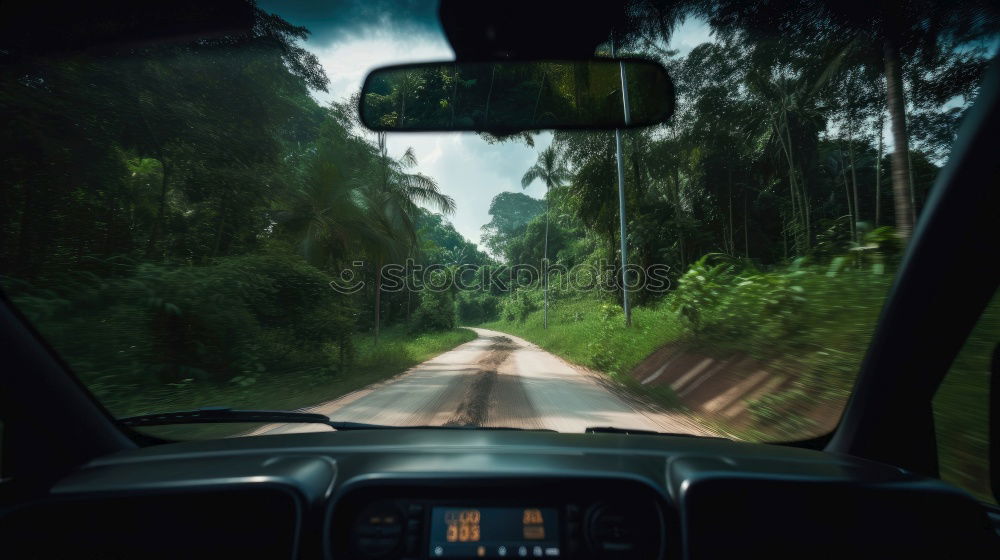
{"points": [[498, 380]]}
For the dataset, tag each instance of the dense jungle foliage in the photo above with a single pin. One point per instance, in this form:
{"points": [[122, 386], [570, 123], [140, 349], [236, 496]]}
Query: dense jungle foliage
{"points": [[187, 225]]}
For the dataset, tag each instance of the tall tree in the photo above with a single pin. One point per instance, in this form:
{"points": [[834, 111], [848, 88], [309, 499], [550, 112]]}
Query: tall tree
{"points": [[509, 213], [392, 201], [938, 48], [550, 169]]}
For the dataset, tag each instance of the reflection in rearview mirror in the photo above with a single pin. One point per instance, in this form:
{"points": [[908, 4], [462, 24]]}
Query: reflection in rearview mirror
{"points": [[516, 95]]}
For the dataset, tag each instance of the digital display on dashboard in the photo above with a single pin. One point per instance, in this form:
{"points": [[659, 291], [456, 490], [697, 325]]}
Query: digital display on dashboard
{"points": [[494, 532]]}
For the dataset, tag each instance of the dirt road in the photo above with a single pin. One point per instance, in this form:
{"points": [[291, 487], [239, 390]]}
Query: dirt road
{"points": [[497, 380]]}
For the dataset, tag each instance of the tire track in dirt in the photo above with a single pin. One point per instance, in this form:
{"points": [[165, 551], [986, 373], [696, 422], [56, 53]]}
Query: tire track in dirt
{"points": [[510, 405], [474, 408], [498, 380]]}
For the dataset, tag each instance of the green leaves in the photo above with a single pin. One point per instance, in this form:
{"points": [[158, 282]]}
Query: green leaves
{"points": [[550, 168], [769, 311], [230, 322], [604, 353], [436, 312], [510, 213]]}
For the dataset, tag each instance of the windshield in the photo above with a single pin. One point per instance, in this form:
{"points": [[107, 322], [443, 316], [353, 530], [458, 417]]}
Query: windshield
{"points": [[205, 222]]}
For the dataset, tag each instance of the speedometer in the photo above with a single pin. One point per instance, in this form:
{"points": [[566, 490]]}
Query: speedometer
{"points": [[494, 532]]}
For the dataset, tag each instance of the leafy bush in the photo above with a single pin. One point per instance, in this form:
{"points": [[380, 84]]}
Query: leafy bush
{"points": [[520, 303], [722, 300], [604, 353], [832, 239], [809, 320], [700, 287], [235, 320], [436, 312], [475, 307]]}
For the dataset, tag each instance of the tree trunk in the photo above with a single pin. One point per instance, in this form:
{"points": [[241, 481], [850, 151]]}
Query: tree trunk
{"points": [[678, 216], [154, 234], [731, 242], [378, 298], [878, 170], [847, 197], [388, 312], [408, 294], [383, 150], [913, 188], [804, 202], [796, 221], [806, 214], [538, 98], [854, 187], [793, 199], [784, 239], [545, 265], [746, 227], [612, 252], [900, 149]]}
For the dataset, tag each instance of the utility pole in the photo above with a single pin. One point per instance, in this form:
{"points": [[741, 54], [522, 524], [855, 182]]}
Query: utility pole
{"points": [[545, 263], [621, 187]]}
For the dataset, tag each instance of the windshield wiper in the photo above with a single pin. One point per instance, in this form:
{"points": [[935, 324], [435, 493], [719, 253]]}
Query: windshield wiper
{"points": [[221, 415], [614, 430], [218, 415]]}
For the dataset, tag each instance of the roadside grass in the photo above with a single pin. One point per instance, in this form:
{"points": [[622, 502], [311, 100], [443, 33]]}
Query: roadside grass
{"points": [[820, 342], [396, 351], [822, 349], [810, 322], [590, 332]]}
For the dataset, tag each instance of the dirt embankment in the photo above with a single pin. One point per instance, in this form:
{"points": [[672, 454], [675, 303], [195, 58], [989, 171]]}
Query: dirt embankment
{"points": [[722, 387]]}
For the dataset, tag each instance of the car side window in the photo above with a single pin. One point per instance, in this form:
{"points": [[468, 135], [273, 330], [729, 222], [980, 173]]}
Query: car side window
{"points": [[961, 409]]}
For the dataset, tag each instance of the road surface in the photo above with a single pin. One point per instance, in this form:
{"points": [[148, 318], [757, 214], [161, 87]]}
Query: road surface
{"points": [[497, 380]]}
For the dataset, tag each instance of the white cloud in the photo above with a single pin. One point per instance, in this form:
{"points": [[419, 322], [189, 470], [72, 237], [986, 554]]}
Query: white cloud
{"points": [[348, 62], [690, 34], [471, 171], [465, 166], [432, 156]]}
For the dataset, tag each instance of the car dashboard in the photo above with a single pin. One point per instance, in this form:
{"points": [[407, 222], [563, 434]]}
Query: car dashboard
{"points": [[436, 493]]}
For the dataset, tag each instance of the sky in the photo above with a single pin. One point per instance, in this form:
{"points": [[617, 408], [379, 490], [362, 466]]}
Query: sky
{"points": [[350, 38]]}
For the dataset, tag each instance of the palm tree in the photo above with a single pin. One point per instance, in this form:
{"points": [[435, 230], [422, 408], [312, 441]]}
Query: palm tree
{"points": [[372, 208], [789, 104], [322, 215], [550, 169], [892, 37], [392, 203]]}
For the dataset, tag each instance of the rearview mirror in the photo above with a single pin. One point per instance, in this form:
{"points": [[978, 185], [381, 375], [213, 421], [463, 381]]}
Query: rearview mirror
{"points": [[510, 96]]}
